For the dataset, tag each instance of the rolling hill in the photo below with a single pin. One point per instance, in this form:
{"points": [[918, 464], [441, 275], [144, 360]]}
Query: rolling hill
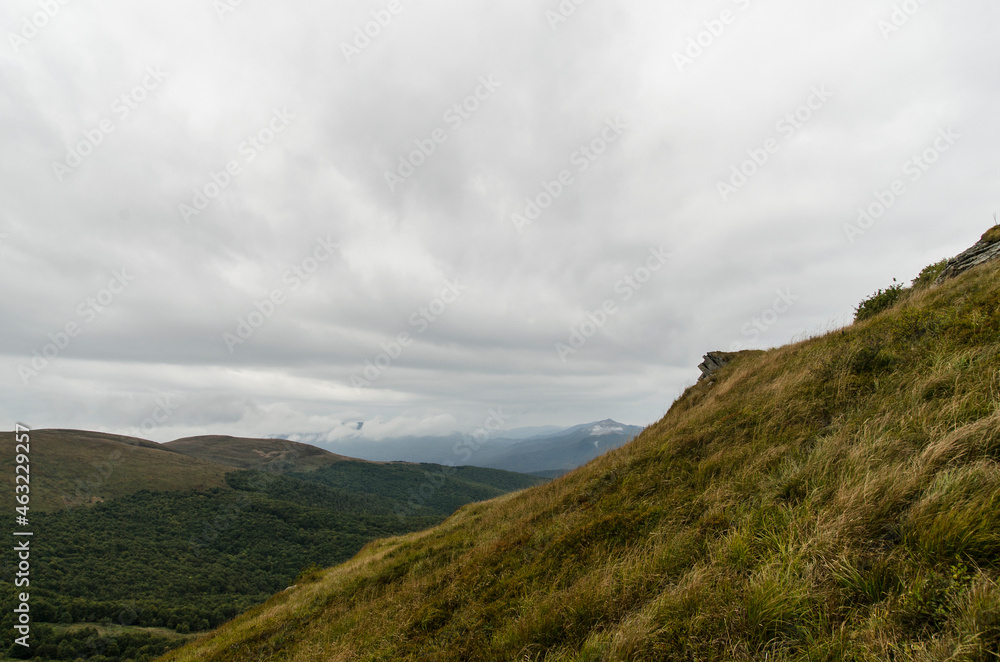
{"points": [[74, 467], [276, 455], [834, 499]]}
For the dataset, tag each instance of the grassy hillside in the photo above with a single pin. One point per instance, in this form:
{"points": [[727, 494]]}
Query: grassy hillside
{"points": [[73, 468], [275, 455], [836, 499]]}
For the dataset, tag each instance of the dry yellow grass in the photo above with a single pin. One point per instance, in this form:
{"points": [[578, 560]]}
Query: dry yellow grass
{"points": [[835, 499]]}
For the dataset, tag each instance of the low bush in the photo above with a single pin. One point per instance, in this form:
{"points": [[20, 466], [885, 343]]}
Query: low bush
{"points": [[930, 274], [876, 303]]}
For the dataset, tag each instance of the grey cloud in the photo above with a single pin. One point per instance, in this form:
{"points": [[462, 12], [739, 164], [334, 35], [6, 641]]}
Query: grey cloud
{"points": [[324, 175]]}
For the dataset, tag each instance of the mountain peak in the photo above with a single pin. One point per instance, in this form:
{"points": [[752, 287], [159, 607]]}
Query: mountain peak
{"points": [[607, 426]]}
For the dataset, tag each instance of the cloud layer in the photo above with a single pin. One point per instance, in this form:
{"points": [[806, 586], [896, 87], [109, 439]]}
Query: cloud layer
{"points": [[276, 219]]}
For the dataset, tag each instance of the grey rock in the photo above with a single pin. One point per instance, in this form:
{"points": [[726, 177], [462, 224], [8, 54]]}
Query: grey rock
{"points": [[983, 252], [713, 362]]}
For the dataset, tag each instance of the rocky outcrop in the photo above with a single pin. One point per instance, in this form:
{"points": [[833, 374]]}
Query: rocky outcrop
{"points": [[714, 361], [985, 250]]}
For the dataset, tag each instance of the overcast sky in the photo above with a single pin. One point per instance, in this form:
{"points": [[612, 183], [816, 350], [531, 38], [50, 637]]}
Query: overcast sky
{"points": [[315, 179]]}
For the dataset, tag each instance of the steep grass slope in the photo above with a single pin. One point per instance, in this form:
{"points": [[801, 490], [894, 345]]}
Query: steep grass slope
{"points": [[836, 499]]}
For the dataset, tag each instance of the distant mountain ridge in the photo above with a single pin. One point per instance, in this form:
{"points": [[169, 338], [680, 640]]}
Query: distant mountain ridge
{"points": [[547, 451], [561, 452]]}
